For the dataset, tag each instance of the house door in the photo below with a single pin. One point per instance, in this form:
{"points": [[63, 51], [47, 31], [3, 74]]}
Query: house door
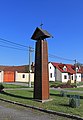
{"points": [[71, 77], [9, 76]]}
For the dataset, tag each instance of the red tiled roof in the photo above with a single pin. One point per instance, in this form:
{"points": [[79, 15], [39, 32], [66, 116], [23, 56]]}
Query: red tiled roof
{"points": [[57, 65], [23, 68], [81, 69], [70, 68]]}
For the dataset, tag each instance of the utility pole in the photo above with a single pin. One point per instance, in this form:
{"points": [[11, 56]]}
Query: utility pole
{"points": [[30, 55], [75, 73]]}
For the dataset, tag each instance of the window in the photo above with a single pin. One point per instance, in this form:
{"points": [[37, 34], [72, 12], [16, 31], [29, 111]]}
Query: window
{"points": [[50, 75], [72, 77], [23, 76], [64, 68], [65, 77]]}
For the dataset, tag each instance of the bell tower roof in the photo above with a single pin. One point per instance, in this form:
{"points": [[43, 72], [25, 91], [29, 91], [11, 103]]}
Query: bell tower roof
{"points": [[40, 34]]}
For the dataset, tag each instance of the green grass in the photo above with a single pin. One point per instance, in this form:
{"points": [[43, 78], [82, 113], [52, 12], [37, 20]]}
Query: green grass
{"points": [[52, 83], [77, 89], [60, 83], [80, 83], [13, 86], [58, 103]]}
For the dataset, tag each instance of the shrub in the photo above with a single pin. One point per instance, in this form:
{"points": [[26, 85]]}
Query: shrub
{"points": [[55, 84], [74, 101], [1, 87], [80, 83], [63, 93], [63, 86]]}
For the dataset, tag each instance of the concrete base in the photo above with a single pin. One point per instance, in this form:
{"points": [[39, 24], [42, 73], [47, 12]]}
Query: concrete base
{"points": [[43, 101]]}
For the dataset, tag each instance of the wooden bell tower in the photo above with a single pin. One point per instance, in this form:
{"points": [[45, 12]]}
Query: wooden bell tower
{"points": [[41, 77]]}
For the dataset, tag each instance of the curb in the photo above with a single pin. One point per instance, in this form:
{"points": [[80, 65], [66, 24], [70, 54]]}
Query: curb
{"points": [[43, 110]]}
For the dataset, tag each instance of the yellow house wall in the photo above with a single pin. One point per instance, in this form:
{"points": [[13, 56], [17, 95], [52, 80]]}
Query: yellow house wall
{"points": [[19, 77]]}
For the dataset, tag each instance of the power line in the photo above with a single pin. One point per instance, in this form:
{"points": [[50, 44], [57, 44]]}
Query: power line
{"points": [[12, 47], [1, 39], [50, 55], [14, 43], [79, 62], [32, 50], [54, 56]]}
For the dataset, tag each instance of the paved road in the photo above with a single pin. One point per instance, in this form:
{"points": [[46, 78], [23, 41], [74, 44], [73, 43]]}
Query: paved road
{"points": [[17, 83], [59, 89], [56, 89], [10, 111]]}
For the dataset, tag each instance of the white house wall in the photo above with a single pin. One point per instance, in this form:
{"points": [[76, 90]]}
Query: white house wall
{"points": [[19, 77], [58, 75], [63, 79], [51, 71], [73, 76], [78, 77], [1, 76]]}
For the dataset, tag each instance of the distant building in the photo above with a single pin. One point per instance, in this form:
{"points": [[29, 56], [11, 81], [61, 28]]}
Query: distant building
{"points": [[16, 73], [24, 77], [64, 72], [82, 72], [57, 72]]}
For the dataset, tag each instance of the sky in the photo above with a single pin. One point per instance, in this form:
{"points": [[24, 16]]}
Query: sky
{"points": [[62, 18]]}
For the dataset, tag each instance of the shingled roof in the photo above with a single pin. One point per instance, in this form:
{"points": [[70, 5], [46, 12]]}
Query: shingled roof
{"points": [[23, 68], [70, 68], [40, 34]]}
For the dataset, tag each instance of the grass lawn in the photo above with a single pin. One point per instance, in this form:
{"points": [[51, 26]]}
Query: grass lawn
{"points": [[51, 83], [58, 103], [13, 86], [78, 89]]}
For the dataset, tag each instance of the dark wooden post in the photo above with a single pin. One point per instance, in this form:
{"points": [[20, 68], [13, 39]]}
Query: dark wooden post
{"points": [[41, 77]]}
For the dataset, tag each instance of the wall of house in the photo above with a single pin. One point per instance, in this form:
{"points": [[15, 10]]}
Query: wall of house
{"points": [[24, 77], [58, 75], [65, 77], [72, 78], [82, 77], [78, 77], [1, 76], [51, 72]]}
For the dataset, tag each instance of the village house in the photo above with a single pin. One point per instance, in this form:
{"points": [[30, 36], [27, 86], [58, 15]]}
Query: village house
{"points": [[64, 72], [57, 72], [82, 73], [16, 73]]}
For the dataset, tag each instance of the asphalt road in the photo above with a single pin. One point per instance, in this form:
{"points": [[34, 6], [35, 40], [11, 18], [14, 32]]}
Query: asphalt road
{"points": [[10, 111]]}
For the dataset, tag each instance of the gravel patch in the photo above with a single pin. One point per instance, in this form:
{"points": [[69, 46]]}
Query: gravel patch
{"points": [[10, 111]]}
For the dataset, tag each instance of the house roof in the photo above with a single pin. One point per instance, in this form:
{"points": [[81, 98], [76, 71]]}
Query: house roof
{"points": [[81, 69], [23, 68], [40, 34], [70, 68]]}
